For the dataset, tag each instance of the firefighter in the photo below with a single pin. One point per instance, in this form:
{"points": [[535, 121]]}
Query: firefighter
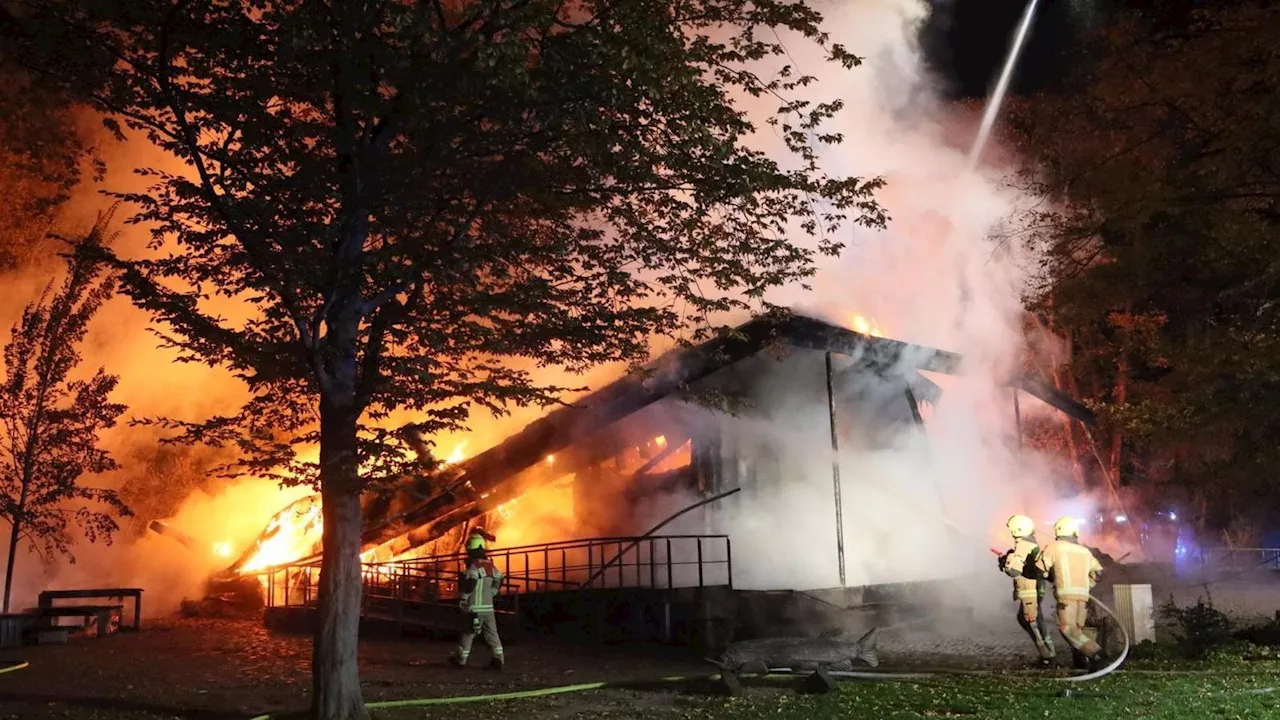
{"points": [[1019, 563], [1074, 571], [477, 587]]}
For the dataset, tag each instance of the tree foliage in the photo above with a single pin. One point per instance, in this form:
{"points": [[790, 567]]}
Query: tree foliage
{"points": [[50, 422], [406, 195], [1164, 157], [44, 154], [453, 184]]}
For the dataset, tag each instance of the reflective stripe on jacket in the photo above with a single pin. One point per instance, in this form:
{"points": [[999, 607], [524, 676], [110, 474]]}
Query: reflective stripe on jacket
{"points": [[479, 586], [1074, 569]]}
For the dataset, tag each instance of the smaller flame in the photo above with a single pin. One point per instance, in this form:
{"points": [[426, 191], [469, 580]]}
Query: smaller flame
{"points": [[505, 508], [551, 459], [456, 456], [660, 441], [865, 325], [222, 549]]}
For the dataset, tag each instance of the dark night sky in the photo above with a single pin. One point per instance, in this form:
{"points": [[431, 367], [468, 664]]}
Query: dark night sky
{"points": [[965, 41]]}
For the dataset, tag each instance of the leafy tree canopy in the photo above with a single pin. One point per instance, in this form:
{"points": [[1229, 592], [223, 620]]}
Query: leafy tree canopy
{"points": [[1165, 155], [407, 193], [44, 154]]}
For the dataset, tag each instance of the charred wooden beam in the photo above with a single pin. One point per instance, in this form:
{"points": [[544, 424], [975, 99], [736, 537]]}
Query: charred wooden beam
{"points": [[915, 407], [558, 430], [1053, 397]]}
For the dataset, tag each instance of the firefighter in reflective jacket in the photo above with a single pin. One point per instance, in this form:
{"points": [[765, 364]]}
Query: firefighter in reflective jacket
{"points": [[477, 587], [1074, 571], [1019, 563]]}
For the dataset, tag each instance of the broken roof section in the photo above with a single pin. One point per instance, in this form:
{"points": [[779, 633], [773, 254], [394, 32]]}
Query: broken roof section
{"points": [[672, 373]]}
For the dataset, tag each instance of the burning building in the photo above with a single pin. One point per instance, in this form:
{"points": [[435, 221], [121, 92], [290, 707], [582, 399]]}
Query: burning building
{"points": [[626, 455]]}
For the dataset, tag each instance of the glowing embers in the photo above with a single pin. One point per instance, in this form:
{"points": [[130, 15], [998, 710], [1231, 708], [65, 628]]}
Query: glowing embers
{"points": [[863, 324], [291, 535]]}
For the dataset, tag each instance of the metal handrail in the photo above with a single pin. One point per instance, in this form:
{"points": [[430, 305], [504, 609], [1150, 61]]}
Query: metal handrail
{"points": [[651, 562], [558, 545]]}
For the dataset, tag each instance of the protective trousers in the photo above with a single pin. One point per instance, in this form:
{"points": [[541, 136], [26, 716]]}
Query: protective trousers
{"points": [[1072, 614], [1033, 622], [488, 627]]}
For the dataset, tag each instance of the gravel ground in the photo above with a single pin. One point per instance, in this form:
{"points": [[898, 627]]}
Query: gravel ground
{"points": [[233, 669], [221, 669], [228, 669]]}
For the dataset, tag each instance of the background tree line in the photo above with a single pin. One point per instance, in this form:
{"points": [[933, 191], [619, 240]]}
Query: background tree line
{"points": [[1160, 158]]}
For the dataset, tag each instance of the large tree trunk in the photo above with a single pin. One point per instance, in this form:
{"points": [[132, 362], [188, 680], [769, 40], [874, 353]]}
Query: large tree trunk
{"points": [[334, 673]]}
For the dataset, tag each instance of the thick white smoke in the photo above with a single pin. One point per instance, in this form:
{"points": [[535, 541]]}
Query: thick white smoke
{"points": [[929, 504]]}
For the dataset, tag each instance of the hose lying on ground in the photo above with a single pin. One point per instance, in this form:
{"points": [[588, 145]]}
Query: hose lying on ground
{"points": [[851, 675], [11, 668], [520, 694]]}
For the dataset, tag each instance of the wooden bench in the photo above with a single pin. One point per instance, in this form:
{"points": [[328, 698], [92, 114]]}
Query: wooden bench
{"points": [[101, 614], [49, 596]]}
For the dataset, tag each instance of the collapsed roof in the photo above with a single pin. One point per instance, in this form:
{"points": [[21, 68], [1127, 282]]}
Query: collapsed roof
{"points": [[425, 512]]}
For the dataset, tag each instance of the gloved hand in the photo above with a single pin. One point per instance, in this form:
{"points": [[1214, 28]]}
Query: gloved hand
{"points": [[475, 623], [1003, 560]]}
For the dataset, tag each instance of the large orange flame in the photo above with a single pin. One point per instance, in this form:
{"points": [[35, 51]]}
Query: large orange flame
{"points": [[290, 536]]}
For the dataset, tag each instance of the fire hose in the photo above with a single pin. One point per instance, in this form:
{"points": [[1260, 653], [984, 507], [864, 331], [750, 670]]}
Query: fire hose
{"points": [[773, 672], [11, 668]]}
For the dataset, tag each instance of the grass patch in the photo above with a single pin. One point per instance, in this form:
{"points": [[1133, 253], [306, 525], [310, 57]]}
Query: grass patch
{"points": [[1174, 694]]}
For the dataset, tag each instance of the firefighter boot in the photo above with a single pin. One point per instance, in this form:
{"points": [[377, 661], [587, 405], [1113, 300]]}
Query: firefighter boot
{"points": [[497, 662]]}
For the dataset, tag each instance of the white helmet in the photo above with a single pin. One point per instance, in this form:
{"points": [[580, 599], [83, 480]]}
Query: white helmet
{"points": [[1020, 526], [1066, 527]]}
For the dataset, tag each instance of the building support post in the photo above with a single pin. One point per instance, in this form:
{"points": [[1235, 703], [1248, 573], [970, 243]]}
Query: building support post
{"points": [[835, 471], [1017, 417]]}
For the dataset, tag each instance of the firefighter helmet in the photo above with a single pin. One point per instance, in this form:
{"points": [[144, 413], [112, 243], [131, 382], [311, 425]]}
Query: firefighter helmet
{"points": [[1020, 526], [1066, 527]]}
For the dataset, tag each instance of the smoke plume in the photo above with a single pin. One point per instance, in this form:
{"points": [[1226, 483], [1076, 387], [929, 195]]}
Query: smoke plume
{"points": [[924, 503]]}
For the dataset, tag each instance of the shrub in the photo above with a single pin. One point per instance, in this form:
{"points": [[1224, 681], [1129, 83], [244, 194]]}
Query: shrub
{"points": [[1201, 629]]}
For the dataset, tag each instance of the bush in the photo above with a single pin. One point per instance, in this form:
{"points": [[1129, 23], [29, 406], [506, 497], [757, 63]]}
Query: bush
{"points": [[1201, 629], [1266, 635]]}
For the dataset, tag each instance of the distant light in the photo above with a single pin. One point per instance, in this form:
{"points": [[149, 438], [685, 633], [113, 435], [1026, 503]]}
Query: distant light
{"points": [[551, 459], [1121, 518], [1173, 516]]}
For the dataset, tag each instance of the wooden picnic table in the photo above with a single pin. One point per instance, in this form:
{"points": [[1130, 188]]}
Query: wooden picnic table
{"points": [[48, 596]]}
